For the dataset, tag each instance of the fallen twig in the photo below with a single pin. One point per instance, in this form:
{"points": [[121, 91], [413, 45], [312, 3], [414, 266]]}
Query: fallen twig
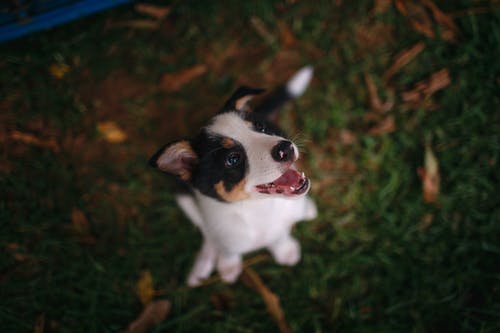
{"points": [[30, 139], [403, 59], [153, 314], [252, 280]]}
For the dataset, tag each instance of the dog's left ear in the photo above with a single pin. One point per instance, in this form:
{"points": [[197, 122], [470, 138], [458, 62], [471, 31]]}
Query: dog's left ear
{"points": [[239, 99], [177, 158]]}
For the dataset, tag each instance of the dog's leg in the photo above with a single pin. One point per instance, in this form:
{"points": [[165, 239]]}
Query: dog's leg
{"points": [[204, 264], [190, 208], [310, 210], [286, 251], [229, 267]]}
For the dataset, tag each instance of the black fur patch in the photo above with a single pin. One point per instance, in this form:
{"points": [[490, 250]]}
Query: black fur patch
{"points": [[261, 124], [212, 167]]}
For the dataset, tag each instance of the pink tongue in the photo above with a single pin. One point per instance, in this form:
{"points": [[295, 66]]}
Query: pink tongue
{"points": [[289, 178], [290, 183]]}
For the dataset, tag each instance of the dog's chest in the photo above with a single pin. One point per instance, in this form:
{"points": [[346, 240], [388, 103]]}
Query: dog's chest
{"points": [[248, 225]]}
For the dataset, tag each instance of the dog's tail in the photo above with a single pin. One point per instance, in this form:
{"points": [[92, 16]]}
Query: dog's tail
{"points": [[294, 88]]}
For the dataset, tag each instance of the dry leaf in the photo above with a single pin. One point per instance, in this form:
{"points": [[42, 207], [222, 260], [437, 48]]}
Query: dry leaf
{"points": [[30, 139], [111, 132], [381, 6], [15, 250], [417, 16], [422, 22], [81, 227], [261, 29], [40, 324], [438, 81], [426, 88], [79, 221], [153, 314], [374, 36], [450, 29], [171, 82], [376, 103], [12, 246], [402, 59], [287, 38], [158, 12], [424, 26], [430, 176], [413, 97], [347, 137], [385, 126], [144, 288], [59, 70], [401, 6], [251, 279]]}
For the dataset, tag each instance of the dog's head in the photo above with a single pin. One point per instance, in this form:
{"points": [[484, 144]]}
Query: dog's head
{"points": [[240, 154]]}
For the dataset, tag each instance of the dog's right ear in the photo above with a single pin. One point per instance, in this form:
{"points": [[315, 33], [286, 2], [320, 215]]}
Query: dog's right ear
{"points": [[239, 99], [177, 158]]}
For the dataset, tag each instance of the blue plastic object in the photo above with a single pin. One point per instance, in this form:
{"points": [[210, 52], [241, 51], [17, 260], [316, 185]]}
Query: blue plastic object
{"points": [[21, 17]]}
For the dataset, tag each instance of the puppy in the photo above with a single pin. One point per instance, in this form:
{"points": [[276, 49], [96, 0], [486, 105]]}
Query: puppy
{"points": [[246, 193]]}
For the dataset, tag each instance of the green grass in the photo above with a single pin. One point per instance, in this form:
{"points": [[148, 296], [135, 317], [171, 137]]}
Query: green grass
{"points": [[377, 259]]}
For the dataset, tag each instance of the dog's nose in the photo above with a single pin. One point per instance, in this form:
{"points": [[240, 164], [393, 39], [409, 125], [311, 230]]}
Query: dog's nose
{"points": [[283, 151]]}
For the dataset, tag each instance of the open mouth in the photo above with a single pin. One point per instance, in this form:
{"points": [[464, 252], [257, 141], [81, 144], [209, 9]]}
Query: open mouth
{"points": [[290, 183]]}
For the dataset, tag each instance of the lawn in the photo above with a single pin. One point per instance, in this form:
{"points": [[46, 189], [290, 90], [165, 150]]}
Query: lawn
{"points": [[400, 133]]}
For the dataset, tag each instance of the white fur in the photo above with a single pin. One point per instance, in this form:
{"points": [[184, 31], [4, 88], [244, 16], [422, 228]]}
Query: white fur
{"points": [[232, 229], [299, 82], [190, 208]]}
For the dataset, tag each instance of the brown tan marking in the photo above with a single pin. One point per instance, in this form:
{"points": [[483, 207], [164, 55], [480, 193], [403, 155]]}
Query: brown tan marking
{"points": [[228, 143], [185, 175], [236, 194]]}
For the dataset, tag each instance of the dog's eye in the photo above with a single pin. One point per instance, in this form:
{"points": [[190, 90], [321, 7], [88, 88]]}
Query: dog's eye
{"points": [[233, 159], [260, 127]]}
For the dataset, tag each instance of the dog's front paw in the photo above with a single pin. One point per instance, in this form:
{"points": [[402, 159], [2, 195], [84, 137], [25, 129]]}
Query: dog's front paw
{"points": [[229, 268], [311, 212], [203, 266], [286, 252], [200, 272], [194, 280]]}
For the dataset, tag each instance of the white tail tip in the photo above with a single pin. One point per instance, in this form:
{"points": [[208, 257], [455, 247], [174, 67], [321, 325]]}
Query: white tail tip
{"points": [[299, 82]]}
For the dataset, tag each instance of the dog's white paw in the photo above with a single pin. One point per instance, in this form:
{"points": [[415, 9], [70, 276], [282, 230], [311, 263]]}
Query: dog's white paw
{"points": [[203, 266], [194, 280], [196, 277], [229, 268], [286, 252], [201, 270], [230, 274], [311, 211]]}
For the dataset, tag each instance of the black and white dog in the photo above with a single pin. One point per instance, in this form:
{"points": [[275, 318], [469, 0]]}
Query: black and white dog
{"points": [[246, 191]]}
